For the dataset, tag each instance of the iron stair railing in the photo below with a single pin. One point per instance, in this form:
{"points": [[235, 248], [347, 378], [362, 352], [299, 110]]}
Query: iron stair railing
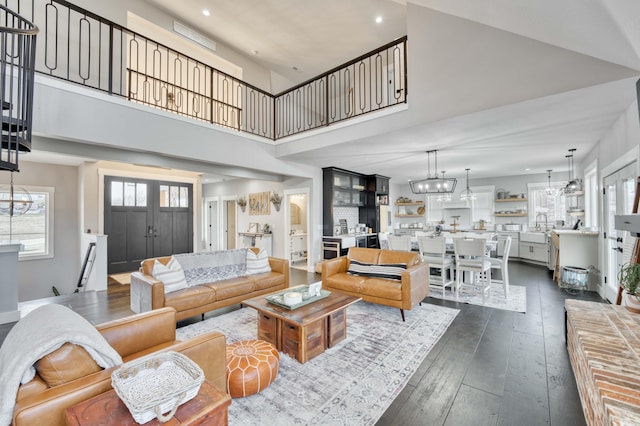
{"points": [[82, 47], [17, 59]]}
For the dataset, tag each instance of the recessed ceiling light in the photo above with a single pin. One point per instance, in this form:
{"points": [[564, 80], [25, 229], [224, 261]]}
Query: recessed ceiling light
{"points": [[206, 12], [527, 169], [378, 19]]}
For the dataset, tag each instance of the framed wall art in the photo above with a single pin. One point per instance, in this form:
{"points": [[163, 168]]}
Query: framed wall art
{"points": [[259, 203]]}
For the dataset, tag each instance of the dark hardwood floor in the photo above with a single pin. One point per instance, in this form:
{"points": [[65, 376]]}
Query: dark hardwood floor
{"points": [[495, 367], [491, 367]]}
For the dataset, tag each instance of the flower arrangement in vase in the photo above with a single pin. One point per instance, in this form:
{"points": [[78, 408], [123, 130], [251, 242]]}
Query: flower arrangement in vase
{"points": [[242, 202], [276, 199]]}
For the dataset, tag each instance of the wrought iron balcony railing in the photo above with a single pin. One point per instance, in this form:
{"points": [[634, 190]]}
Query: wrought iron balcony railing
{"points": [[84, 48], [17, 54]]}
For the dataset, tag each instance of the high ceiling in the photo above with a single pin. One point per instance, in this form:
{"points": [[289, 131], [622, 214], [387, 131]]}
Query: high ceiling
{"points": [[557, 74], [498, 86]]}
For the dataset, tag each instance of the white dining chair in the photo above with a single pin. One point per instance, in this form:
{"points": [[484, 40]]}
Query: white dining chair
{"points": [[503, 265], [471, 257], [399, 242], [433, 250]]}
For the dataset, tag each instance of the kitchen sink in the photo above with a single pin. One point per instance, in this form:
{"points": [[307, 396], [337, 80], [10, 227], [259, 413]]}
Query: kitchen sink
{"points": [[533, 237]]}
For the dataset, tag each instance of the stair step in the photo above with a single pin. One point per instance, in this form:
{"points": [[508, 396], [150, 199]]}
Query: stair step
{"points": [[23, 144], [6, 105], [10, 124]]}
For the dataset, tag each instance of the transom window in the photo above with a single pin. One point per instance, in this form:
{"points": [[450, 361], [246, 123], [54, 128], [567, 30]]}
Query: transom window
{"points": [[174, 196], [130, 194]]}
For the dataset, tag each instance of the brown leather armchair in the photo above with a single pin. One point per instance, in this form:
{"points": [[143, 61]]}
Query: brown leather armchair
{"points": [[66, 377]]}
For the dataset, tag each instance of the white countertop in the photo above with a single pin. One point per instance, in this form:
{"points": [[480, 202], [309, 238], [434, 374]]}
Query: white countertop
{"points": [[578, 232], [349, 235]]}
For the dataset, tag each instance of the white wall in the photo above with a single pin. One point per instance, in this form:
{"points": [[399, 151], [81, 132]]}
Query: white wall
{"points": [[275, 219], [117, 11], [36, 277]]}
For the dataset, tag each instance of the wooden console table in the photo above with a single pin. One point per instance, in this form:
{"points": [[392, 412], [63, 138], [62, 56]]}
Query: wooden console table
{"points": [[604, 346], [208, 407]]}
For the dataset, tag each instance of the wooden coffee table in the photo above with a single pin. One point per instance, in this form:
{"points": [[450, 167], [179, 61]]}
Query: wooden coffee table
{"points": [[304, 332], [208, 407]]}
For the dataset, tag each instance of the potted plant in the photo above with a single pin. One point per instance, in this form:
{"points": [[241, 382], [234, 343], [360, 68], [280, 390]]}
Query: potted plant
{"points": [[629, 279], [242, 202], [276, 199]]}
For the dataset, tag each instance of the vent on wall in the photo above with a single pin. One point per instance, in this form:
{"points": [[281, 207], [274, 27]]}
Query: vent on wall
{"points": [[193, 35]]}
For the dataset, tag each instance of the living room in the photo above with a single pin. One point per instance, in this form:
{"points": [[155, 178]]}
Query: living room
{"points": [[75, 146]]}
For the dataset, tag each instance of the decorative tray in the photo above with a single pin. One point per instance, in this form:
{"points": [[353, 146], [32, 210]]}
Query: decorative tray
{"points": [[278, 298]]}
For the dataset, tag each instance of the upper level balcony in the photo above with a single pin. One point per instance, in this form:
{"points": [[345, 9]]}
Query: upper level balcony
{"points": [[79, 46]]}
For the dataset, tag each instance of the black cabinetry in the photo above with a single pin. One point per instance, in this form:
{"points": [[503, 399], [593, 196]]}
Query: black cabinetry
{"points": [[343, 188]]}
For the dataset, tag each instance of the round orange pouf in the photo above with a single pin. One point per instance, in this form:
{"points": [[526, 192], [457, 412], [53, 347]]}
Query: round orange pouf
{"points": [[252, 365]]}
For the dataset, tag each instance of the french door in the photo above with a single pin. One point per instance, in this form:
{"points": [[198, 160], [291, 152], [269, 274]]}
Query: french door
{"points": [[619, 193], [145, 218]]}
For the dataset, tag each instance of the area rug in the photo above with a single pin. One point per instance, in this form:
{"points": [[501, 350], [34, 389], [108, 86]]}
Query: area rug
{"points": [[516, 301], [352, 383]]}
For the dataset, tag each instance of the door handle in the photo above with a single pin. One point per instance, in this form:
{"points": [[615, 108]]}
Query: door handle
{"points": [[619, 239], [617, 249]]}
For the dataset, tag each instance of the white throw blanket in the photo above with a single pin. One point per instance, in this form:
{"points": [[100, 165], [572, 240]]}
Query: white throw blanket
{"points": [[39, 333]]}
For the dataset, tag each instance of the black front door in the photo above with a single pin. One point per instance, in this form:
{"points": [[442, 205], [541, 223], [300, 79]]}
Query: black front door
{"points": [[145, 218]]}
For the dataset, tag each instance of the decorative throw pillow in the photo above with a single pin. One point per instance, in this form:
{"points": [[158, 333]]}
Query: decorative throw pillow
{"points": [[65, 364], [391, 271], [257, 263], [170, 274]]}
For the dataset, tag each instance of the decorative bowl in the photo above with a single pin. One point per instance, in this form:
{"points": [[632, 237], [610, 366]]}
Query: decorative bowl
{"points": [[292, 298]]}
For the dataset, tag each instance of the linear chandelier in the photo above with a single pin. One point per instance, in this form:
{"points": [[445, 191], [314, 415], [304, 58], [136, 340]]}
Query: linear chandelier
{"points": [[433, 184]]}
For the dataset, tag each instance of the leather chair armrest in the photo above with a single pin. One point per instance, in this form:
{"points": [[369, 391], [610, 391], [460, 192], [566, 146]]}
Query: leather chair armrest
{"points": [[209, 351], [282, 266], [47, 408], [333, 266], [415, 285], [146, 292]]}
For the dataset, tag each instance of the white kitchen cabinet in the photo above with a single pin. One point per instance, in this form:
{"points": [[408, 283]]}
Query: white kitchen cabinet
{"points": [[537, 252]]}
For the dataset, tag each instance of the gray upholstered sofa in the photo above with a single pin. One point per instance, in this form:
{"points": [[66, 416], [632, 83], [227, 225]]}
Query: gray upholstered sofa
{"points": [[214, 280]]}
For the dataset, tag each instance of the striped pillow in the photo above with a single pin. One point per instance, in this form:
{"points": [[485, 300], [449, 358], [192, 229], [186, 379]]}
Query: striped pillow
{"points": [[257, 263], [170, 274], [391, 271]]}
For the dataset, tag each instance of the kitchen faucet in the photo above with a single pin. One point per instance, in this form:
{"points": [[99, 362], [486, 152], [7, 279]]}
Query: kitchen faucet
{"points": [[546, 224]]}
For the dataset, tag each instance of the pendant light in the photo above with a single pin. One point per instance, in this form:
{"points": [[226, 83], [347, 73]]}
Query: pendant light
{"points": [[573, 185], [467, 194], [551, 192], [433, 184]]}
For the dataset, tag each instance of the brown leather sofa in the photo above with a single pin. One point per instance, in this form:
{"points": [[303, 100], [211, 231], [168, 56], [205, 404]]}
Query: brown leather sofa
{"points": [[39, 403], [203, 298], [404, 294]]}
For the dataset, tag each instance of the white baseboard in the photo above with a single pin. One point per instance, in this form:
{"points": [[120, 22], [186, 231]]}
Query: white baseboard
{"points": [[9, 316]]}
